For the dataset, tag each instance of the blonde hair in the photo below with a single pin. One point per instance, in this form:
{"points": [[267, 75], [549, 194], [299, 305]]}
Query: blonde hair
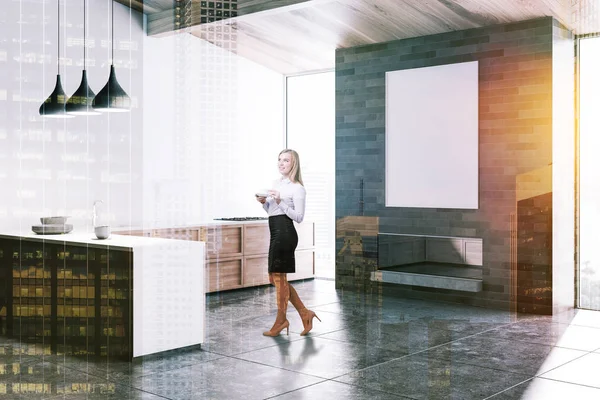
{"points": [[295, 174]]}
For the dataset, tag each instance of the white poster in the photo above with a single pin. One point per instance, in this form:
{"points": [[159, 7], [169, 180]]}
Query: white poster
{"points": [[431, 137]]}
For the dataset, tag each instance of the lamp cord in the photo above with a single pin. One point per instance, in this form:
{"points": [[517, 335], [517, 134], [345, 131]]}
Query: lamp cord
{"points": [[84, 36], [112, 40], [58, 38]]}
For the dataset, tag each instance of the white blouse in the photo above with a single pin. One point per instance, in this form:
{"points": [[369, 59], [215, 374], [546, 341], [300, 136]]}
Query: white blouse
{"points": [[293, 199]]}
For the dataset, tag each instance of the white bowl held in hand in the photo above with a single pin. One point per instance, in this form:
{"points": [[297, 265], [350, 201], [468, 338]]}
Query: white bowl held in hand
{"points": [[102, 232], [262, 193]]}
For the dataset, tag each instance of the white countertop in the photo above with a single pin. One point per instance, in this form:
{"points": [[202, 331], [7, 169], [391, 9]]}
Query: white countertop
{"points": [[123, 242], [189, 225]]}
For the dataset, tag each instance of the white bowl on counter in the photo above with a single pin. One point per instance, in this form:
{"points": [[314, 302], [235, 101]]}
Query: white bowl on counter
{"points": [[102, 232], [57, 220]]}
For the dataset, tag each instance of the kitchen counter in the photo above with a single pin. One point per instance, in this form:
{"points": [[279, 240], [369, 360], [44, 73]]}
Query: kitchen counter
{"points": [[237, 251], [211, 222], [124, 297], [115, 241]]}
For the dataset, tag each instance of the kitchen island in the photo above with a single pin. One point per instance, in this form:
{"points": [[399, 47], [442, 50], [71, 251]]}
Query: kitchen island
{"points": [[122, 297]]}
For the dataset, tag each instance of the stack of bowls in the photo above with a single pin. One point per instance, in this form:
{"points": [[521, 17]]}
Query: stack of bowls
{"points": [[52, 226]]}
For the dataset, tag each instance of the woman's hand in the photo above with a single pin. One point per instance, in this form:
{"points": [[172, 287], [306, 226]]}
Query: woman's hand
{"points": [[261, 199], [275, 195]]}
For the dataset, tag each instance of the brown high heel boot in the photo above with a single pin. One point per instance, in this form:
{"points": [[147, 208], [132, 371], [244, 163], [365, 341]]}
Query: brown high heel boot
{"points": [[283, 296], [306, 315], [275, 331]]}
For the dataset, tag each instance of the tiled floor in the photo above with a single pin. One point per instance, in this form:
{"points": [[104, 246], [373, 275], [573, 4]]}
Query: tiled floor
{"points": [[367, 347]]}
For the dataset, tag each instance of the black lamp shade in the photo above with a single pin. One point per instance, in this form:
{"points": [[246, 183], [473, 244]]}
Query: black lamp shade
{"points": [[80, 103], [54, 106], [112, 97]]}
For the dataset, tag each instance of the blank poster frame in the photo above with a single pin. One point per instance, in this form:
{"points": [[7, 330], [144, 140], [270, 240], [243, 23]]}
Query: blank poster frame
{"points": [[432, 137]]}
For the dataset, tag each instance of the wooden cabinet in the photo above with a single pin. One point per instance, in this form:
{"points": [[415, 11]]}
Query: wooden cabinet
{"points": [[223, 241], [223, 274], [256, 239], [237, 254], [256, 270]]}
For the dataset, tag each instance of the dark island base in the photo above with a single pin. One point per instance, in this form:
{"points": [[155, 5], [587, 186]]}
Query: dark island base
{"points": [[67, 299]]}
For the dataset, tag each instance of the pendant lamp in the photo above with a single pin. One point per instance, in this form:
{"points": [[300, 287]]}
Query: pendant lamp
{"points": [[80, 103], [112, 97], [54, 106]]}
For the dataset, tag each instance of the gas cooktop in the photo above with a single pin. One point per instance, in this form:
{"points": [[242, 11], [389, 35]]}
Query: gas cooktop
{"points": [[241, 219]]}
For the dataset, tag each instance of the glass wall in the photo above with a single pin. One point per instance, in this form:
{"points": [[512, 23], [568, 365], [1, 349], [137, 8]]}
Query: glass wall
{"points": [[311, 132], [589, 164]]}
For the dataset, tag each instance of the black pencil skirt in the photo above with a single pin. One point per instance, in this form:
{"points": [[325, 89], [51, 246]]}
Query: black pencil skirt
{"points": [[284, 240]]}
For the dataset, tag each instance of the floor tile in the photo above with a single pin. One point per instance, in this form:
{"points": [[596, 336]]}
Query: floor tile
{"points": [[46, 380], [321, 357], [583, 371], [404, 337], [338, 391], [232, 296], [226, 378], [234, 337], [237, 311], [571, 316], [546, 389], [317, 285], [561, 335], [111, 393], [519, 357], [329, 322], [422, 377], [389, 311], [585, 318], [123, 371], [460, 324]]}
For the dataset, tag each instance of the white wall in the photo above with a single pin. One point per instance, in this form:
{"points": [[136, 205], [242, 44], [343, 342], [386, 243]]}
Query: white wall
{"points": [[58, 167], [213, 127], [203, 135]]}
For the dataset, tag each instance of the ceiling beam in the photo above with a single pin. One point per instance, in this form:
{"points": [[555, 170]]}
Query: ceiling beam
{"points": [[144, 6], [169, 21]]}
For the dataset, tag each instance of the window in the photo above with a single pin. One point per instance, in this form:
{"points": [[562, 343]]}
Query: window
{"points": [[589, 174], [311, 132]]}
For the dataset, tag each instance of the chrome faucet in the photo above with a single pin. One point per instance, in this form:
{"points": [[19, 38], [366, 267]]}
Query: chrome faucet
{"points": [[94, 214]]}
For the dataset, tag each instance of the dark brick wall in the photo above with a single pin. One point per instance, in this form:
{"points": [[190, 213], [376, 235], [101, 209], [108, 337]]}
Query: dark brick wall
{"points": [[515, 137]]}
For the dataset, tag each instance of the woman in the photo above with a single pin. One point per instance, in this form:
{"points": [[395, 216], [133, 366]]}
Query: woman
{"points": [[285, 204]]}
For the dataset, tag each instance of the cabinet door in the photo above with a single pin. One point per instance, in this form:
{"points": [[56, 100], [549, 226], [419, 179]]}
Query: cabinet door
{"points": [[256, 270], [256, 239], [306, 235], [305, 265], [223, 274], [223, 241]]}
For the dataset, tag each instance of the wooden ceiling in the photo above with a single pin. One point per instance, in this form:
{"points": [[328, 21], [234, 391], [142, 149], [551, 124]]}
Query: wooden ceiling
{"points": [[294, 36]]}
